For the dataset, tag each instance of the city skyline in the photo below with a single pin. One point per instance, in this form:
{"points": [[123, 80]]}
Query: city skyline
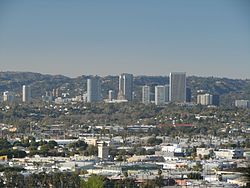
{"points": [[208, 38]]}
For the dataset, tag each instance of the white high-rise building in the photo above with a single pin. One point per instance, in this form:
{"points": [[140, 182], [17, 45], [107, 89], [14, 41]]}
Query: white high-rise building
{"points": [[146, 95], [177, 89], [125, 87], [205, 99], [8, 97], [94, 89], [160, 95], [26, 93]]}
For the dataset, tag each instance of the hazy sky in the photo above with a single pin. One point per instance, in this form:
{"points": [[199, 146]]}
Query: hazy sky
{"points": [[143, 37]]}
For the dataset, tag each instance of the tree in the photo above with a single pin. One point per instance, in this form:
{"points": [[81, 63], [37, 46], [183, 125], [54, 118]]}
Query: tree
{"points": [[246, 176], [196, 176], [4, 144], [19, 153], [159, 179], [33, 180], [14, 179], [51, 144], [93, 181], [154, 141], [91, 150], [198, 167]]}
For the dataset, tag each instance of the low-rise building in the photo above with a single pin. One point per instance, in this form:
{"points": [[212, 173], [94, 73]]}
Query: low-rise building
{"points": [[229, 153]]}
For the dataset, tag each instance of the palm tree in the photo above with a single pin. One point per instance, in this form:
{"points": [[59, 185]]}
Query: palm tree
{"points": [[159, 178]]}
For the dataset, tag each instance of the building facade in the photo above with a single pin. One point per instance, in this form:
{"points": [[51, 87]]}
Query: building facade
{"points": [[208, 99], [94, 89], [146, 94], [8, 97], [125, 87], [103, 151], [26, 93], [205, 99], [111, 95], [242, 103], [177, 89], [166, 93], [160, 95]]}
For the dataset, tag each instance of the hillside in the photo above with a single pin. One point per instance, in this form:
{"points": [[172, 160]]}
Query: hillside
{"points": [[228, 89]]}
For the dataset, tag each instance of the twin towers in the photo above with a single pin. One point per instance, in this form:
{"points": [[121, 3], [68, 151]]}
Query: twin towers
{"points": [[174, 92], [125, 92]]}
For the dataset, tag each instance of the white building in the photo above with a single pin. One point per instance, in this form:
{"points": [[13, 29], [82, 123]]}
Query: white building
{"points": [[125, 87], [229, 153], [26, 93], [160, 95], [8, 97], [94, 89], [103, 151], [205, 99], [203, 152], [242, 103]]}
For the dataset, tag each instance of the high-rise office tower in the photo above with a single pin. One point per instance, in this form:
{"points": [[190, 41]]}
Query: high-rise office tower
{"points": [[160, 95], [146, 95], [177, 87], [166, 93], [125, 87], [94, 89], [26, 93]]}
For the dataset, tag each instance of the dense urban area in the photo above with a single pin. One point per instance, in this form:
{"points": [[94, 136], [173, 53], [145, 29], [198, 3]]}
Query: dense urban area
{"points": [[124, 131]]}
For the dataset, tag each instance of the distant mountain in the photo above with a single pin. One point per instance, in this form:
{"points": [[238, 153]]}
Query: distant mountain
{"points": [[13, 81], [228, 89]]}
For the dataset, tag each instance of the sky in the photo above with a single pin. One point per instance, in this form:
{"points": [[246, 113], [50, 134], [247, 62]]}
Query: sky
{"points": [[142, 37]]}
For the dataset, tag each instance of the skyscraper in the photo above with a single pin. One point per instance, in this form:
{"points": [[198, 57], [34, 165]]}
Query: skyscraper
{"points": [[177, 87], [94, 89], [188, 95], [160, 97], [8, 97], [26, 93], [145, 94], [111, 95], [166, 93], [125, 87]]}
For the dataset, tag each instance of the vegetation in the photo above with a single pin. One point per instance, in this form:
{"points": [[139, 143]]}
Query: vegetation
{"points": [[228, 89], [246, 175], [61, 179], [43, 148], [196, 176]]}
